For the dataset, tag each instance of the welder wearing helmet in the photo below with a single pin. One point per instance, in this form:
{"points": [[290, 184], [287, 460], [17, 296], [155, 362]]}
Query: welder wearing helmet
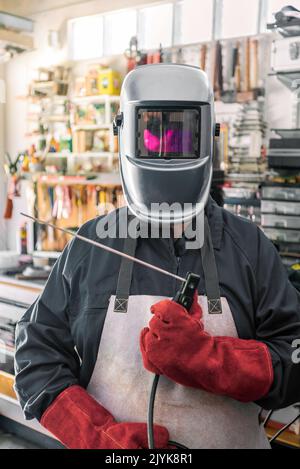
{"points": [[87, 349]]}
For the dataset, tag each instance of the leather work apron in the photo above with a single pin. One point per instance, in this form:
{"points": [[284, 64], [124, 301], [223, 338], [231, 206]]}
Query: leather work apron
{"points": [[194, 418]]}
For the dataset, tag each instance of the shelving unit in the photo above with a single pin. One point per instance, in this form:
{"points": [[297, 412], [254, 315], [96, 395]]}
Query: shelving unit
{"points": [[77, 153], [281, 215], [92, 127], [103, 179], [100, 99], [87, 154], [107, 101], [48, 106]]}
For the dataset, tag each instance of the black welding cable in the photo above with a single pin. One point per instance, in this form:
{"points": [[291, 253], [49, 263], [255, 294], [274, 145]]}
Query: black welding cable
{"points": [[150, 421], [150, 417], [283, 429], [267, 419], [177, 445]]}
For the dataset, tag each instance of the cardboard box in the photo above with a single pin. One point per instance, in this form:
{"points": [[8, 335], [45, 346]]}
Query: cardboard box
{"points": [[109, 82]]}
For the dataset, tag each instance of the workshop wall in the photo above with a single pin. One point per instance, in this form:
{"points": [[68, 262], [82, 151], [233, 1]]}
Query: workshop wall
{"points": [[277, 114], [24, 64]]}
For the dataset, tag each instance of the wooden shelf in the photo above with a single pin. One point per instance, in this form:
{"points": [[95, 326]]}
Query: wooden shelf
{"points": [[88, 154], [103, 179], [101, 99], [45, 118], [77, 127], [47, 84], [37, 99]]}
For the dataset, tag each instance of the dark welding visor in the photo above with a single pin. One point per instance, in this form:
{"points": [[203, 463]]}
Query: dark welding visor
{"points": [[171, 133]]}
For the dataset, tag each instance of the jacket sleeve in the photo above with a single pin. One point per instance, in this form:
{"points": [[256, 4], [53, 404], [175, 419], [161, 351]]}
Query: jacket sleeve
{"points": [[46, 361], [277, 325]]}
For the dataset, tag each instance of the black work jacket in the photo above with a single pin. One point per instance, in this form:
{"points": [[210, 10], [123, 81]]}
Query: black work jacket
{"points": [[57, 340]]}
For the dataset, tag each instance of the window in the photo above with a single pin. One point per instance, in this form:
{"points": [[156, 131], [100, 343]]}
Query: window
{"points": [[86, 38], [196, 22], [239, 18], [156, 26], [276, 5], [119, 28]]}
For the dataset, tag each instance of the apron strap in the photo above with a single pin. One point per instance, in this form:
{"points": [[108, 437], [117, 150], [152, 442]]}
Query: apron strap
{"points": [[125, 276], [211, 277], [209, 267]]}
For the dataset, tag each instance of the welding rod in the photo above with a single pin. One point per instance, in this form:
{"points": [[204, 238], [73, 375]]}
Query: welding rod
{"points": [[105, 248]]}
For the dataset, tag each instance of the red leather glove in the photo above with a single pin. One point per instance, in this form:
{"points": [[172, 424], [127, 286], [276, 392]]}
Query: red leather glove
{"points": [[176, 345], [80, 422]]}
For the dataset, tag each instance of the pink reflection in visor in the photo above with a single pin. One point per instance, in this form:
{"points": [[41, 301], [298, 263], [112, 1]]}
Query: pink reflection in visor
{"points": [[173, 141]]}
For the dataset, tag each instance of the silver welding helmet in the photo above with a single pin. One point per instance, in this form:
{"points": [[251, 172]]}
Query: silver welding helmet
{"points": [[166, 134]]}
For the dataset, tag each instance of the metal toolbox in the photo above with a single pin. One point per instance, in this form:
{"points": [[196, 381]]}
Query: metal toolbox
{"points": [[281, 208], [285, 55], [283, 161], [280, 221], [283, 236], [281, 193]]}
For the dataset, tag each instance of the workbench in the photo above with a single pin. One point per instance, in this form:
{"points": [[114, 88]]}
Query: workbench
{"points": [[15, 297]]}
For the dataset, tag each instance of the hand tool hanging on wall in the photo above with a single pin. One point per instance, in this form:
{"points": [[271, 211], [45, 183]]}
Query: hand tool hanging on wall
{"points": [[203, 55], [231, 73], [246, 68], [254, 69], [218, 70], [11, 169], [177, 56], [237, 67], [67, 204], [133, 55], [78, 202], [155, 57], [230, 63], [58, 204]]}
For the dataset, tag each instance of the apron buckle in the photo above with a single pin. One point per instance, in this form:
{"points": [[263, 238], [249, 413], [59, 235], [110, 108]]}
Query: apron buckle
{"points": [[214, 306], [121, 305]]}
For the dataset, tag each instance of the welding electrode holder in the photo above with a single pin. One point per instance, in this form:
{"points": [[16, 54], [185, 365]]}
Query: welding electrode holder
{"points": [[184, 297]]}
